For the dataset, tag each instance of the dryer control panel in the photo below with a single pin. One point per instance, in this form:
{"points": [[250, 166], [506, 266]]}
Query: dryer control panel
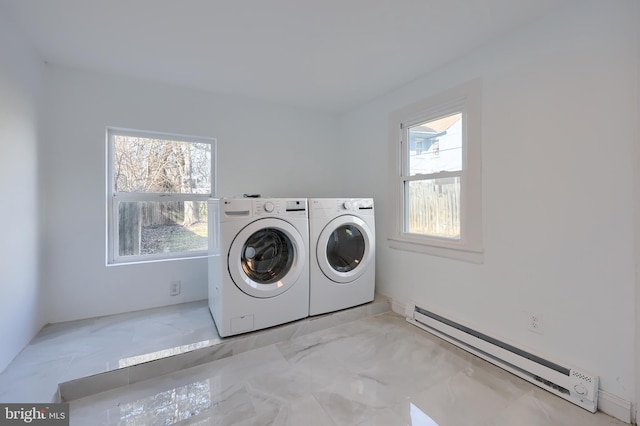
{"points": [[344, 205], [331, 207]]}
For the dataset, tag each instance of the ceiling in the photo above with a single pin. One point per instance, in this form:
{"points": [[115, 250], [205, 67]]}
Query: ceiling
{"points": [[329, 55]]}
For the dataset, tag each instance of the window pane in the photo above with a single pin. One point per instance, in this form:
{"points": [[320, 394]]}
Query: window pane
{"points": [[434, 207], [158, 165], [161, 227], [436, 146]]}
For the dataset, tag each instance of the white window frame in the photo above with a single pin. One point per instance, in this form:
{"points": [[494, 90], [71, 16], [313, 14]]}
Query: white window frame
{"points": [[114, 197], [465, 99]]}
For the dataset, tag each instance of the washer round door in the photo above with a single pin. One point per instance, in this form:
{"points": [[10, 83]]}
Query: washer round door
{"points": [[345, 249], [266, 258]]}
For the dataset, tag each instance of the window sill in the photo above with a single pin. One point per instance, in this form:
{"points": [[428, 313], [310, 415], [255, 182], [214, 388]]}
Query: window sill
{"points": [[142, 261], [436, 248]]}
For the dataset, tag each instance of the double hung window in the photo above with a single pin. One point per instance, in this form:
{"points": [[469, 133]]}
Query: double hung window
{"points": [[438, 178], [158, 186]]}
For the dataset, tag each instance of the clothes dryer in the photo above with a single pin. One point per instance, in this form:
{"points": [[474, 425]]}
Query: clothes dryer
{"points": [[258, 263], [342, 238]]}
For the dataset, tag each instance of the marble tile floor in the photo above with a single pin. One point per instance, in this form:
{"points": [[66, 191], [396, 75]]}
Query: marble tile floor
{"points": [[93, 355], [378, 370]]}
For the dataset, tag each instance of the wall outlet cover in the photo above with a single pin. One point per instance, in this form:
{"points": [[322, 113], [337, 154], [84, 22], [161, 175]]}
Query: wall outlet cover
{"points": [[175, 287], [535, 323]]}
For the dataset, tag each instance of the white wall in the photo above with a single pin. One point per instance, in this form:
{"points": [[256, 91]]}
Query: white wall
{"points": [[560, 119], [262, 148], [637, 217], [20, 85]]}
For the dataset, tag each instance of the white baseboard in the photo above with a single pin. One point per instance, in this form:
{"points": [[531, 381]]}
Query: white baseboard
{"points": [[398, 307], [614, 406]]}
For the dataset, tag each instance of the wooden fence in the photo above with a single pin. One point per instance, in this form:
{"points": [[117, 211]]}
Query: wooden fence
{"points": [[133, 216], [434, 207], [161, 213]]}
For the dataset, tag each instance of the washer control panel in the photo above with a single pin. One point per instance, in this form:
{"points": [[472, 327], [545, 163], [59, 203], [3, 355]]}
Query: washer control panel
{"points": [[280, 207]]}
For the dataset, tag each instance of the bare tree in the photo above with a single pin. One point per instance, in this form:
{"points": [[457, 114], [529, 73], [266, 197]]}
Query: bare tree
{"points": [[160, 166]]}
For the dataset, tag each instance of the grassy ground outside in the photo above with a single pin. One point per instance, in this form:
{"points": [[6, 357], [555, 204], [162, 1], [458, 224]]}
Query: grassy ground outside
{"points": [[173, 238]]}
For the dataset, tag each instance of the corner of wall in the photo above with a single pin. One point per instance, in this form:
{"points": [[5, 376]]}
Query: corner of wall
{"points": [[21, 81], [635, 413]]}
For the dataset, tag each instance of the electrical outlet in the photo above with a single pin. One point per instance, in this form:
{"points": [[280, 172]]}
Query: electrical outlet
{"points": [[175, 287], [535, 322]]}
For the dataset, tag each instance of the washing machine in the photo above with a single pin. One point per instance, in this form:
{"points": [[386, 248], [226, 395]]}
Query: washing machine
{"points": [[342, 238], [258, 262]]}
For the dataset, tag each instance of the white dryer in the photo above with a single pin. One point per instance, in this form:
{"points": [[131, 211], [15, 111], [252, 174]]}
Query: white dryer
{"points": [[342, 238], [258, 263]]}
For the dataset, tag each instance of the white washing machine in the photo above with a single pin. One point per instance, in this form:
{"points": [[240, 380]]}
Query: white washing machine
{"points": [[258, 262], [342, 238]]}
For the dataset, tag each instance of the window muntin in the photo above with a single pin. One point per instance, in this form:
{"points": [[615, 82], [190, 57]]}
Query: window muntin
{"points": [[158, 190]]}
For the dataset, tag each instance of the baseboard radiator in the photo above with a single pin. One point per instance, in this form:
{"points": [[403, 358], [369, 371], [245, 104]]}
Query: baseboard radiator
{"points": [[572, 384]]}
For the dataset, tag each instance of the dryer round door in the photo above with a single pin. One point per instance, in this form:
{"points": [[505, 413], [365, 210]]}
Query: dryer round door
{"points": [[266, 258], [345, 249]]}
